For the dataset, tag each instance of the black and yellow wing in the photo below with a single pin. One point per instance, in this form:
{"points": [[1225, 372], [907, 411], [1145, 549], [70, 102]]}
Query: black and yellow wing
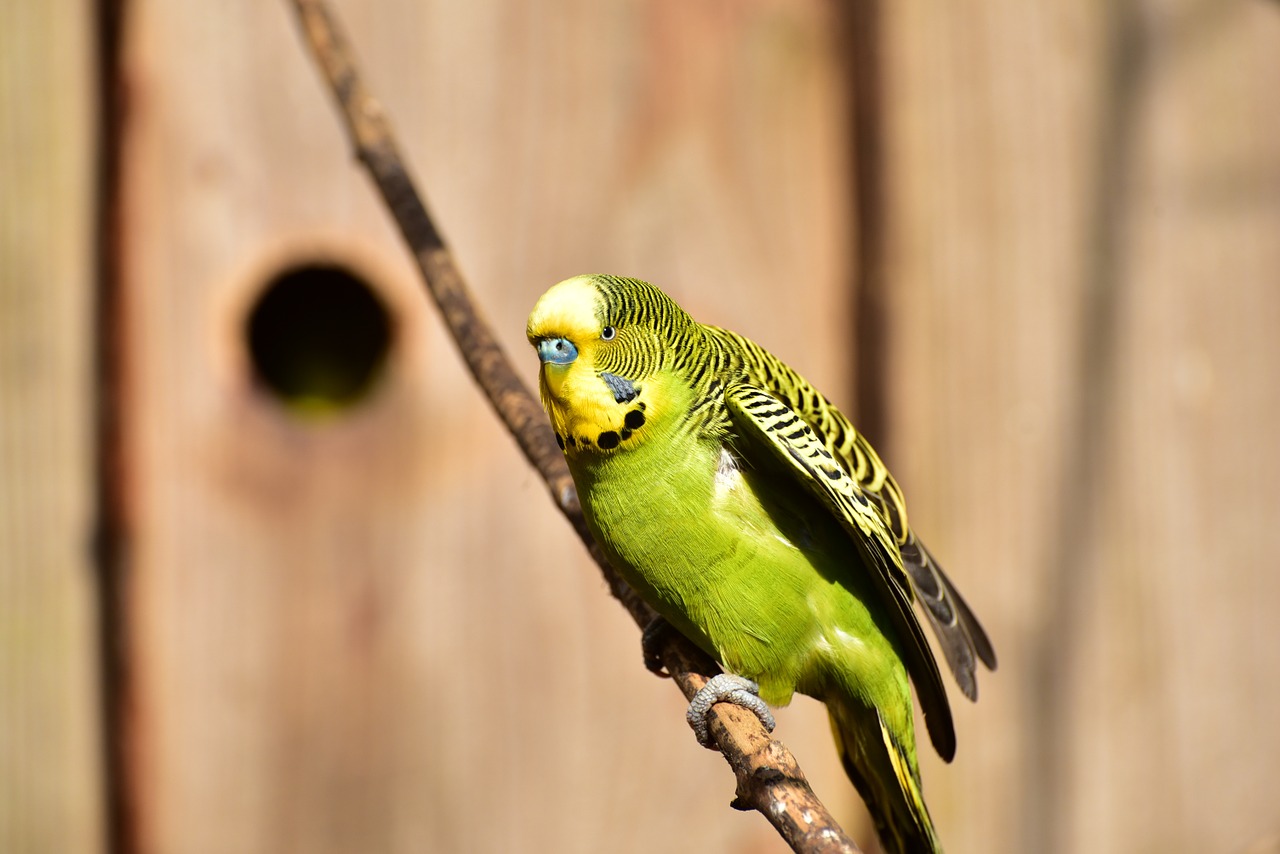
{"points": [[959, 633], [763, 423]]}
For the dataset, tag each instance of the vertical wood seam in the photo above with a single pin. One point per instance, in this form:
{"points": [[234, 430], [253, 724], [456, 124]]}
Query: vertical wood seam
{"points": [[1085, 453], [870, 322], [111, 534]]}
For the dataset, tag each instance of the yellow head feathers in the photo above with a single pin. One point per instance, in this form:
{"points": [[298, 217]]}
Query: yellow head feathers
{"points": [[570, 310], [602, 357]]}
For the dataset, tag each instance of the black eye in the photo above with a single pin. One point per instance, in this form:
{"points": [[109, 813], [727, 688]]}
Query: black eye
{"points": [[608, 333]]}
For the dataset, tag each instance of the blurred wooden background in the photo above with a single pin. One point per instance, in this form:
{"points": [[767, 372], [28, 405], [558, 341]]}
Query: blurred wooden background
{"points": [[371, 632]]}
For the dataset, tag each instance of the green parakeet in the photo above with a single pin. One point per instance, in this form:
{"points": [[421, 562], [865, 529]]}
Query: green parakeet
{"points": [[747, 510]]}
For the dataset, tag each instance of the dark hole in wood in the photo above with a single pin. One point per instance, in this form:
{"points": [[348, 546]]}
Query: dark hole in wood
{"points": [[318, 338]]}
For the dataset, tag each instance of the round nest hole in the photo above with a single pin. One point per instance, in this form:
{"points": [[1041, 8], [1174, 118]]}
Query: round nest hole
{"points": [[318, 338]]}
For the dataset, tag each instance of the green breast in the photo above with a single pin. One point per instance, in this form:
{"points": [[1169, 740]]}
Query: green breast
{"points": [[744, 566]]}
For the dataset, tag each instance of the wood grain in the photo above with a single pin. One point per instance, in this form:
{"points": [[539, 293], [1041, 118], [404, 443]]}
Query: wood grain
{"points": [[374, 632], [1084, 315], [50, 779]]}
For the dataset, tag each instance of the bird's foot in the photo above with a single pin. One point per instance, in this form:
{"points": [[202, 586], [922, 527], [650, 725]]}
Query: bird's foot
{"points": [[651, 640], [726, 688]]}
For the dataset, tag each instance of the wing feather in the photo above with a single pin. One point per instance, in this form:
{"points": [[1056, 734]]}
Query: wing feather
{"points": [[959, 633], [764, 421]]}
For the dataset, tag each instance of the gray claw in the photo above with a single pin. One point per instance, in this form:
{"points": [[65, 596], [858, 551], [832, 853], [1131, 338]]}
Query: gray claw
{"points": [[725, 688]]}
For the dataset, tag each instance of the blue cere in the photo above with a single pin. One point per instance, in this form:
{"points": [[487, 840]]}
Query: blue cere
{"points": [[557, 351]]}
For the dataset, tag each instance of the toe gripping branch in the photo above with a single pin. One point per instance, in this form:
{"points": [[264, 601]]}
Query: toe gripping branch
{"points": [[722, 688], [726, 688]]}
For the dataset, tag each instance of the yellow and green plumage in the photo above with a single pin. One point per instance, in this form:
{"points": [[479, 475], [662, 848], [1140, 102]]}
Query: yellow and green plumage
{"points": [[747, 510]]}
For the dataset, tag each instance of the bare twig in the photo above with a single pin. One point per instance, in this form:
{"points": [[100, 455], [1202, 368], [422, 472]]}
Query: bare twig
{"points": [[769, 778]]}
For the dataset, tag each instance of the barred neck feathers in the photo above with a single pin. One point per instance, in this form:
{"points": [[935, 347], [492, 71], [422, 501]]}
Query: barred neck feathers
{"points": [[707, 369], [606, 345]]}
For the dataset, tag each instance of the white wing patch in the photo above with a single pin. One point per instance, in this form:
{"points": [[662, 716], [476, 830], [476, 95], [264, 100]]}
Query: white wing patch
{"points": [[727, 475], [832, 640], [849, 641]]}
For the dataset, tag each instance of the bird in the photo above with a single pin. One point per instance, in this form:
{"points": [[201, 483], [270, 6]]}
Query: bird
{"points": [[754, 519]]}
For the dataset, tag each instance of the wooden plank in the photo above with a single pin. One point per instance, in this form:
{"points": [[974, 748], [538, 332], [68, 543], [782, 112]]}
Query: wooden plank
{"points": [[372, 632], [1084, 204], [50, 787]]}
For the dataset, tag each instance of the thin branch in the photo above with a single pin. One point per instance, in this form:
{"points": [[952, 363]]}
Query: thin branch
{"points": [[768, 777]]}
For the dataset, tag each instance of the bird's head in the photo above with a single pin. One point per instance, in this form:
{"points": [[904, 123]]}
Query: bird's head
{"points": [[604, 343]]}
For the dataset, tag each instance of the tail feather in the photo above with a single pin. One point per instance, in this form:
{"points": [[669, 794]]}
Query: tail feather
{"points": [[886, 776]]}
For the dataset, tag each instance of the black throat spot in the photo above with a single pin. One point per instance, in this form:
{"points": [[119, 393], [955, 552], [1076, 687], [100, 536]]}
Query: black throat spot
{"points": [[624, 391]]}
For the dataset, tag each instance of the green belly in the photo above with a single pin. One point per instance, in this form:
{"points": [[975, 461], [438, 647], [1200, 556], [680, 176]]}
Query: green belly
{"points": [[753, 573]]}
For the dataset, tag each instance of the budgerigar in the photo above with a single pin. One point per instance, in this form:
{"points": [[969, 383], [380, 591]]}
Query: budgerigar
{"points": [[747, 510]]}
